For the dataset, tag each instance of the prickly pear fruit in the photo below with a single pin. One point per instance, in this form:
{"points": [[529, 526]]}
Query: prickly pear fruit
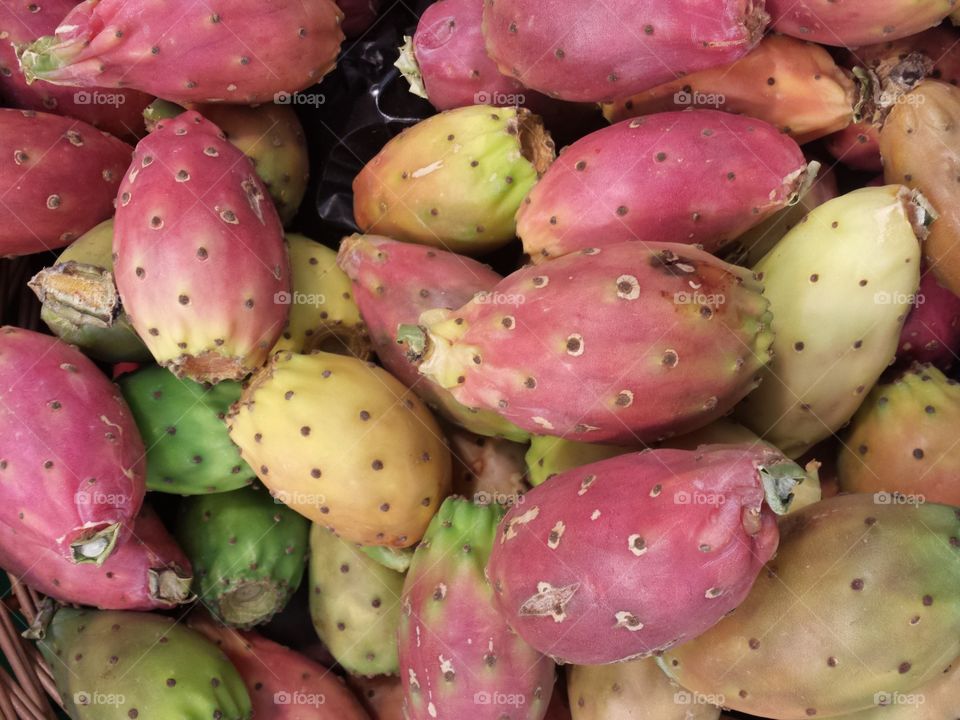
{"points": [[636, 690], [912, 142], [359, 15], [375, 467], [549, 456], [619, 49], [902, 441], [323, 313], [890, 578], [839, 285], [81, 304], [857, 146], [793, 85], [939, 698], [236, 55], [393, 283], [146, 571], [72, 465], [931, 333], [189, 451], [199, 278], [397, 559], [488, 470], [939, 44], [692, 177], [382, 696], [454, 180], [114, 665], [60, 177], [354, 604], [248, 553], [696, 331], [116, 111], [629, 556], [458, 656], [270, 135]]}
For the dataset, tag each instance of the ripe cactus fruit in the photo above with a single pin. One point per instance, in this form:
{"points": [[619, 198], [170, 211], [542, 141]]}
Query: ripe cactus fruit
{"points": [[146, 571], [454, 180], [621, 48], [375, 469], [359, 15], [793, 85], [458, 656], [189, 451], [839, 285], [234, 55], [903, 439], [393, 283], [636, 181], [354, 604], [549, 456], [636, 690], [248, 553], [73, 172], [931, 333], [890, 578], [857, 146], [72, 466], [629, 556], [199, 278], [114, 665], [81, 304], [696, 331]]}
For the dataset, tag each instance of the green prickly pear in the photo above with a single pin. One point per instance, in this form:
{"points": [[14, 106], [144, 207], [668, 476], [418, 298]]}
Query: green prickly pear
{"points": [[354, 604], [549, 456], [862, 600], [939, 699]]}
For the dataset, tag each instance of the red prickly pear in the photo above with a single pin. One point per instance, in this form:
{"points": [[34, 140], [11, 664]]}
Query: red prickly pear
{"points": [[147, 571], [189, 53], [73, 461], [618, 48], [577, 347], [59, 178], [693, 177], [200, 259], [632, 555], [115, 110], [359, 15], [458, 656], [931, 333], [857, 146]]}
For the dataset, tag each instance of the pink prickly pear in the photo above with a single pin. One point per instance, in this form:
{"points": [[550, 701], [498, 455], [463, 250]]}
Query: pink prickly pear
{"points": [[931, 333], [857, 146], [199, 252], [619, 48], [146, 571], [189, 52], [629, 556], [58, 178], [72, 465], [359, 15], [627, 343], [458, 657], [694, 177], [115, 110]]}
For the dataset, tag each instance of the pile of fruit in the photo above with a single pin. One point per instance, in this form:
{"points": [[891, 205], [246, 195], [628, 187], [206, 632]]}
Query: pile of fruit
{"points": [[630, 396]]}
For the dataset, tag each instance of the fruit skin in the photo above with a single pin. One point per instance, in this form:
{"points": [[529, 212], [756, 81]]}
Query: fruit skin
{"points": [[393, 283], [629, 556], [146, 571], [60, 177], [924, 121], [931, 333], [857, 146], [455, 647], [359, 15], [382, 696], [454, 180], [81, 304], [549, 456], [249, 553], [903, 439], [670, 321], [354, 604], [692, 177], [793, 85], [939, 698], [114, 665], [636, 690], [73, 462], [116, 111], [240, 55], [889, 577], [189, 451], [180, 261], [624, 48], [345, 444], [839, 285]]}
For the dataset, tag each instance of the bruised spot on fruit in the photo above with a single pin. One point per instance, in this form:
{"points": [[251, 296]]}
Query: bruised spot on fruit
{"points": [[628, 620], [585, 484], [553, 539], [549, 601], [511, 527]]}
